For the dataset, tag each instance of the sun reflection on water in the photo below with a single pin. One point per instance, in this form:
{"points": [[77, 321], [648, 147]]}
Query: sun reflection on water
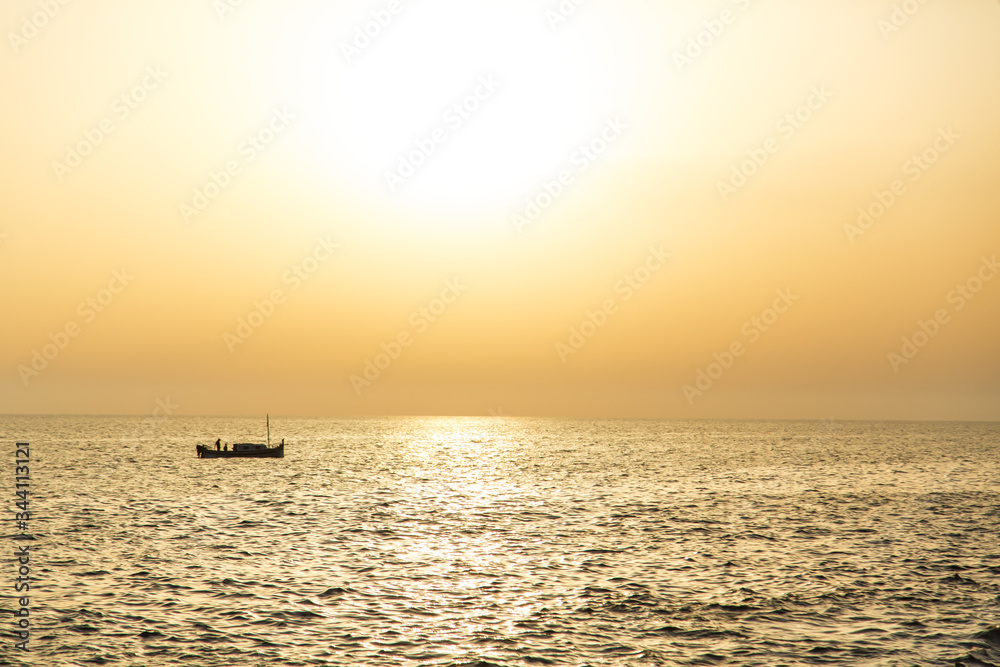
{"points": [[460, 561]]}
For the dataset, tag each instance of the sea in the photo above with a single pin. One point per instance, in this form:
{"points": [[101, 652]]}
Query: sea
{"points": [[503, 541]]}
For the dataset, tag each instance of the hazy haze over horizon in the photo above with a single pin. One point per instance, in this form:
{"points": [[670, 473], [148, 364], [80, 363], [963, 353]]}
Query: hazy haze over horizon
{"points": [[642, 287]]}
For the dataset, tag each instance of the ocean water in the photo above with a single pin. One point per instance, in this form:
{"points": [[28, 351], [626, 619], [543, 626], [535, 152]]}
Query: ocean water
{"points": [[507, 541]]}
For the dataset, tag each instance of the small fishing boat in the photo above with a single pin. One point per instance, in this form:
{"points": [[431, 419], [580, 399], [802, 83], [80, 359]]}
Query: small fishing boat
{"points": [[251, 450]]}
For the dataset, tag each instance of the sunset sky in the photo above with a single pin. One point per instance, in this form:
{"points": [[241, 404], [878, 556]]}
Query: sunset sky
{"points": [[636, 208]]}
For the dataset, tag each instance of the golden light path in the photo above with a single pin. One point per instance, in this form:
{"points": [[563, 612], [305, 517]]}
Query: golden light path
{"points": [[467, 466]]}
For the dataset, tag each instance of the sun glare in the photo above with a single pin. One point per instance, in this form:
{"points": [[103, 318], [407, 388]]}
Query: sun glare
{"points": [[399, 112]]}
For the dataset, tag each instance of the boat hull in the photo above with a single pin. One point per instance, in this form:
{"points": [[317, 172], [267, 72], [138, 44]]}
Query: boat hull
{"points": [[270, 453]]}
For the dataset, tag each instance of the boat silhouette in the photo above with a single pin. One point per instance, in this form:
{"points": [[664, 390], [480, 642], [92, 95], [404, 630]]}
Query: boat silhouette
{"points": [[250, 450]]}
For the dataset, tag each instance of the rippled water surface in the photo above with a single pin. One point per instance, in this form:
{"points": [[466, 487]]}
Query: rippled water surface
{"points": [[502, 541]]}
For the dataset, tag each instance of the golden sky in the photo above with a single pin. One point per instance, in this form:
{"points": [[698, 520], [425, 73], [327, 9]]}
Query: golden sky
{"points": [[634, 208]]}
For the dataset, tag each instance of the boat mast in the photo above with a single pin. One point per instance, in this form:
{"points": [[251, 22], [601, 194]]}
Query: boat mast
{"points": [[268, 430]]}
